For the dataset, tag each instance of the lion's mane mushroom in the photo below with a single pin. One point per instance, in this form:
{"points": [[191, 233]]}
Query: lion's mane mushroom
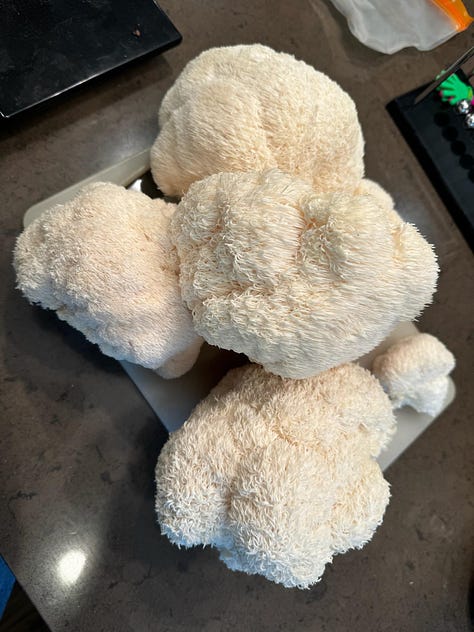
{"points": [[414, 371], [279, 475], [242, 108], [298, 280], [104, 262]]}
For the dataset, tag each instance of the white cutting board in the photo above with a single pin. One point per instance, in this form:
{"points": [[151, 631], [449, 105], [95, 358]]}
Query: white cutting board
{"points": [[173, 400]]}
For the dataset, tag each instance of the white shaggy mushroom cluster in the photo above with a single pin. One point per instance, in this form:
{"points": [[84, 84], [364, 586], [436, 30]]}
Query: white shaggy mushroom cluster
{"points": [[244, 108], [278, 249], [105, 263], [279, 475], [297, 280]]}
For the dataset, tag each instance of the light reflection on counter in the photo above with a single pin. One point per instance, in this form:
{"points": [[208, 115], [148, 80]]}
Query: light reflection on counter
{"points": [[71, 565]]}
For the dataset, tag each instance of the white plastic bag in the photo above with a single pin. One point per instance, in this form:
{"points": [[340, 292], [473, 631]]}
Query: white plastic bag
{"points": [[389, 25]]}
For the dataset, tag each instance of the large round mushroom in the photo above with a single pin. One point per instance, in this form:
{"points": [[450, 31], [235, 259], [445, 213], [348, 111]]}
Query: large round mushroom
{"points": [[298, 280], [279, 475], [243, 108]]}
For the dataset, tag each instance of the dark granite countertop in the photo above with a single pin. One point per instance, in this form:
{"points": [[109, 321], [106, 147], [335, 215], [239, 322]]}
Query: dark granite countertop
{"points": [[78, 444]]}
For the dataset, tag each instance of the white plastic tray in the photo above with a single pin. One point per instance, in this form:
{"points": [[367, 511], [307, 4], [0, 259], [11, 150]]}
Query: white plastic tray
{"points": [[173, 400]]}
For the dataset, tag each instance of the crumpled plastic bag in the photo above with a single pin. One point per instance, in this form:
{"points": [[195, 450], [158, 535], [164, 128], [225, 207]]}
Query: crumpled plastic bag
{"points": [[390, 25]]}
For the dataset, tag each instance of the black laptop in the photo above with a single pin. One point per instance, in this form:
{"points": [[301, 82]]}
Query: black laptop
{"points": [[50, 46]]}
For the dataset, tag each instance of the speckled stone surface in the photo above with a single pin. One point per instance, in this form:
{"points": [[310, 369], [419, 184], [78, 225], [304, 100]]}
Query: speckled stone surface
{"points": [[78, 445]]}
